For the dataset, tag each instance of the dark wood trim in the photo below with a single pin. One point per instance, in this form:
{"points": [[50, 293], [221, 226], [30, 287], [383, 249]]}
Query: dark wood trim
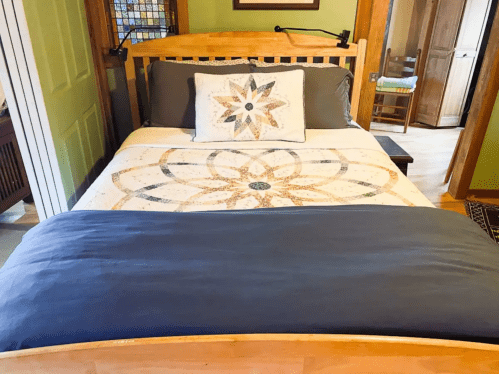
{"points": [[100, 42], [377, 23], [183, 16], [482, 105], [492, 194], [237, 5]]}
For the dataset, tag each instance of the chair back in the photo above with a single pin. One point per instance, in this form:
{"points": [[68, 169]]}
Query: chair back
{"points": [[400, 66]]}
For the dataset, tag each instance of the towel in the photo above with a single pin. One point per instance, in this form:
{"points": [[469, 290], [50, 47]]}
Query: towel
{"points": [[409, 82], [397, 90]]}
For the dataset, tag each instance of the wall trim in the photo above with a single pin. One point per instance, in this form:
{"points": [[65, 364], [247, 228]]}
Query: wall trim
{"points": [[476, 126], [492, 194]]}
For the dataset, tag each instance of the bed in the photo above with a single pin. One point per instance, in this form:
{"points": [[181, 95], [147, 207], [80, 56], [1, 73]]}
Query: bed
{"points": [[243, 256]]}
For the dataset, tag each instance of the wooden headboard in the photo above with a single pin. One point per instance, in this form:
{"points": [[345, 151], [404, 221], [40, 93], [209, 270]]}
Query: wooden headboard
{"points": [[276, 46]]}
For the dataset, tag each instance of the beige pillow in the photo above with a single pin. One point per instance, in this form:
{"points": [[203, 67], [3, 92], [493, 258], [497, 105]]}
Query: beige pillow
{"points": [[239, 61], [244, 107], [262, 64]]}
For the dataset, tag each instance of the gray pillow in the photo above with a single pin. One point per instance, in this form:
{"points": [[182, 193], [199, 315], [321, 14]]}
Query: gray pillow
{"points": [[327, 103], [172, 91]]}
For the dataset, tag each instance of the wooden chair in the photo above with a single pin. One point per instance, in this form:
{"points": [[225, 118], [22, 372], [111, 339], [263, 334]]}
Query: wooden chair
{"points": [[396, 67]]}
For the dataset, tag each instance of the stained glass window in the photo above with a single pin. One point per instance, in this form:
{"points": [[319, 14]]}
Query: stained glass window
{"points": [[126, 13]]}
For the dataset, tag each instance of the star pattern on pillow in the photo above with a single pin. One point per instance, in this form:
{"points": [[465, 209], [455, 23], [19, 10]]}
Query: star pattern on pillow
{"points": [[249, 107]]}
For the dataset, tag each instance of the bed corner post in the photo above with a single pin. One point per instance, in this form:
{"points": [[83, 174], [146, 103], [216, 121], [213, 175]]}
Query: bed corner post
{"points": [[359, 73], [132, 85]]}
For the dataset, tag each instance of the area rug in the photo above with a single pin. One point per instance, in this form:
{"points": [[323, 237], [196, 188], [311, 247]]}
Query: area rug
{"points": [[486, 215]]}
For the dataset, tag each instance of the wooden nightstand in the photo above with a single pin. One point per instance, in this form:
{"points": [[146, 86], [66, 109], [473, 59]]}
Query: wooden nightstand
{"points": [[400, 157], [14, 184]]}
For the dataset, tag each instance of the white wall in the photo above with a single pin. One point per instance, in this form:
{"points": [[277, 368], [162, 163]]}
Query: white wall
{"points": [[399, 26]]}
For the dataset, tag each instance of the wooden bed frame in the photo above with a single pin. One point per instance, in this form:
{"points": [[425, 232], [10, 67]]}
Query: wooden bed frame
{"points": [[274, 46], [254, 353], [258, 353]]}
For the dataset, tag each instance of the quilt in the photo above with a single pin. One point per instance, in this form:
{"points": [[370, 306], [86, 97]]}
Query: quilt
{"points": [[161, 169]]}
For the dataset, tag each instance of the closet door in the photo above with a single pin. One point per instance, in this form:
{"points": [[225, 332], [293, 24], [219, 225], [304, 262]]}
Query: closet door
{"points": [[63, 55], [438, 64], [463, 64]]}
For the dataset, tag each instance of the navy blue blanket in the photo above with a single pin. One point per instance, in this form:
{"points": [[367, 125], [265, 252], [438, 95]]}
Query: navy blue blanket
{"points": [[88, 276]]}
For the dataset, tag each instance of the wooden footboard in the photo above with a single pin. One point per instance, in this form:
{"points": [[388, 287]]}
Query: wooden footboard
{"points": [[259, 353]]}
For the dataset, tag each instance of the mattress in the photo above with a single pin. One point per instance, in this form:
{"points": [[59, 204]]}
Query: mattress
{"points": [[161, 169]]}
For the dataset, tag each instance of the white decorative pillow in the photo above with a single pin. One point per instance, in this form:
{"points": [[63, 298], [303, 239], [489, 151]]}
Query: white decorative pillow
{"points": [[242, 107]]}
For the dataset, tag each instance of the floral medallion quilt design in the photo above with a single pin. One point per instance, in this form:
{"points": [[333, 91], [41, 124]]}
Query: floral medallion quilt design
{"points": [[225, 179]]}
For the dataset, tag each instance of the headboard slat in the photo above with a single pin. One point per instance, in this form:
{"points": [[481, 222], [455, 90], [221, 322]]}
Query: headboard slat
{"points": [[146, 61], [242, 44], [132, 86], [357, 83]]}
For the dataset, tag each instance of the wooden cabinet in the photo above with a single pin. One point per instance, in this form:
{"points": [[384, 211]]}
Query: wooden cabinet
{"points": [[455, 40], [13, 181]]}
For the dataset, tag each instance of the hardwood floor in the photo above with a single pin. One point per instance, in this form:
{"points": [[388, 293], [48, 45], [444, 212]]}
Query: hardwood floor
{"points": [[21, 213], [432, 151], [30, 217]]}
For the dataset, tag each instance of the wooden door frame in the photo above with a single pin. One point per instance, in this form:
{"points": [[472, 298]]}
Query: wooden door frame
{"points": [[370, 24], [183, 16], [478, 120], [101, 39]]}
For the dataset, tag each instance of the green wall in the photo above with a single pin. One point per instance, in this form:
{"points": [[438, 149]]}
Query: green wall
{"points": [[486, 176], [61, 47], [218, 15]]}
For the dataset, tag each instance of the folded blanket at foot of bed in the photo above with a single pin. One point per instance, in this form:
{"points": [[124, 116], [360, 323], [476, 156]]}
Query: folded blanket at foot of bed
{"points": [[384, 270]]}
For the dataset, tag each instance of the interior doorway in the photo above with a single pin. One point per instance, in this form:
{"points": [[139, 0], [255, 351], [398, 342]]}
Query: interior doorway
{"points": [[412, 25], [451, 37]]}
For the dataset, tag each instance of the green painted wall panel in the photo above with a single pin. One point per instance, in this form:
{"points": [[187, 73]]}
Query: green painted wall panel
{"points": [[61, 46], [218, 15], [486, 176]]}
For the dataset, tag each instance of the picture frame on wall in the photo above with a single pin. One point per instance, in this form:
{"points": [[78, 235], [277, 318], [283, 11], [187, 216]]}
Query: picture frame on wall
{"points": [[276, 4]]}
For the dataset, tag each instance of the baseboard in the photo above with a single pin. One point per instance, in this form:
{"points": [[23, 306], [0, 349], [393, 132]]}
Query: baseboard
{"points": [[493, 194]]}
